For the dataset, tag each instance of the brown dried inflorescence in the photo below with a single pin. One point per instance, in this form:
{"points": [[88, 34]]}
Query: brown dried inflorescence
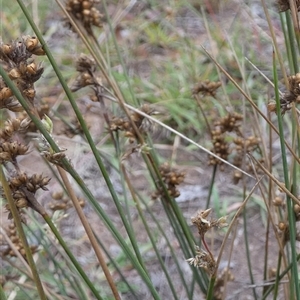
{"points": [[172, 179], [16, 59], [228, 141], [292, 95], [14, 126], [86, 67], [23, 188], [86, 13], [230, 123], [205, 259], [220, 148], [243, 146], [203, 224], [284, 5], [142, 123], [6, 250], [206, 88]]}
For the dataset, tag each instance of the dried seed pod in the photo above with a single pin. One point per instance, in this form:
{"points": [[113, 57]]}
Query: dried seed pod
{"points": [[31, 43], [39, 51], [18, 195], [278, 201], [297, 209], [282, 226], [15, 123], [14, 73], [5, 156], [5, 93], [30, 187], [6, 49], [31, 68], [23, 177], [15, 182], [25, 124], [58, 206], [22, 203], [57, 195]]}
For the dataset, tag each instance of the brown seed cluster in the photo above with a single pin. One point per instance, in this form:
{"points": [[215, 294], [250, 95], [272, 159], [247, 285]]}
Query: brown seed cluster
{"points": [[231, 122], [6, 250], [284, 5], [172, 179], [23, 188], [206, 88], [203, 224], [243, 146], [16, 59], [142, 123], [203, 260], [86, 67], [221, 147], [9, 150], [292, 95], [86, 13], [62, 202], [54, 158], [228, 141], [13, 126]]}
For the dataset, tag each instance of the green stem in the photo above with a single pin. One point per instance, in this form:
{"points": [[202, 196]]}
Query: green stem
{"points": [[291, 215], [72, 257], [211, 186], [2, 294], [248, 250]]}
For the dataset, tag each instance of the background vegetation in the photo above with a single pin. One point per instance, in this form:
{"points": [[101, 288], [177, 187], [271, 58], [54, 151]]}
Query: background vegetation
{"points": [[149, 150]]}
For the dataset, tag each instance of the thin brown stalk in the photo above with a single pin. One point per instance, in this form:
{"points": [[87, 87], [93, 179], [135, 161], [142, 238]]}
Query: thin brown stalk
{"points": [[277, 182], [203, 113], [229, 258], [89, 233], [16, 252], [234, 219], [273, 35], [270, 219]]}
